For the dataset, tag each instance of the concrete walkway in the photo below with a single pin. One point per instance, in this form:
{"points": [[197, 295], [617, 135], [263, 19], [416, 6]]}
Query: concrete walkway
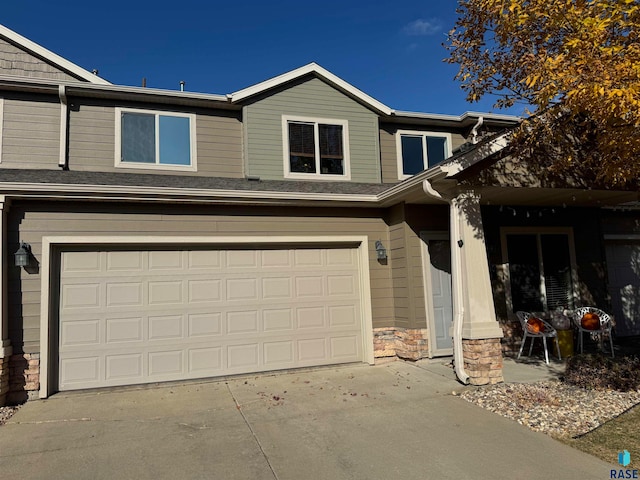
{"points": [[395, 420]]}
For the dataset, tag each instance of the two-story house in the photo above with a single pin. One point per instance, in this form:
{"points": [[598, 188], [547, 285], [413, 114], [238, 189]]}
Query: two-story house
{"points": [[298, 222]]}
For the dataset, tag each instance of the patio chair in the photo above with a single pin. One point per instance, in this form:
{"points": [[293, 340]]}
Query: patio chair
{"points": [[601, 331], [534, 327]]}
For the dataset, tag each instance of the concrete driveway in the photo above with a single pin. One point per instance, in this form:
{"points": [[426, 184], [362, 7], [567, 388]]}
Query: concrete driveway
{"points": [[396, 420]]}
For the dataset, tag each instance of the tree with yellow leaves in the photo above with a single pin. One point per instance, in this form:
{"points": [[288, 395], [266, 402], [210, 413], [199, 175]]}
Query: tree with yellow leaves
{"points": [[575, 63]]}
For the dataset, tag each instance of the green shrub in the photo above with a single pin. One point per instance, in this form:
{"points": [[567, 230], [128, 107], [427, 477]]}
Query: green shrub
{"points": [[604, 373]]}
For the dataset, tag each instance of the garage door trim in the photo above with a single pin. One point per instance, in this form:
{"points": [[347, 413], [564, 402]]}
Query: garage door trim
{"points": [[49, 243]]}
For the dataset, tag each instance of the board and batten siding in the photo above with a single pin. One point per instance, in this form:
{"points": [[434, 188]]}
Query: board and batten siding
{"points": [[92, 142], [30, 221], [30, 133], [15, 61], [312, 98], [389, 152]]}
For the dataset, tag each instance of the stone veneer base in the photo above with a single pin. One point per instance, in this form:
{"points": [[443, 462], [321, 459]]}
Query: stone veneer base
{"points": [[4, 380], [483, 361], [24, 377], [406, 343]]}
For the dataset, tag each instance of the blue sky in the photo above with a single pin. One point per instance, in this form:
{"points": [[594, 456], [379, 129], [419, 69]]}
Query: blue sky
{"points": [[390, 50]]}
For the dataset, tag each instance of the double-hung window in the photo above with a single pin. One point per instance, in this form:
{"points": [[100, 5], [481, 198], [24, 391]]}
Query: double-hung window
{"points": [[418, 151], [150, 139], [315, 148]]}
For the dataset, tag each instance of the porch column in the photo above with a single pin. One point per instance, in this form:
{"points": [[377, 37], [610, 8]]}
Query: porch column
{"points": [[481, 332], [5, 345]]}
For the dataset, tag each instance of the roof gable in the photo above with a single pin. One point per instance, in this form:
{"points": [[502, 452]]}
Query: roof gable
{"points": [[318, 71], [48, 58]]}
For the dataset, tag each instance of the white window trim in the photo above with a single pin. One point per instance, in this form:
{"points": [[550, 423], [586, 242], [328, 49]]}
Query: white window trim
{"points": [[316, 176], [423, 134], [568, 231], [156, 166]]}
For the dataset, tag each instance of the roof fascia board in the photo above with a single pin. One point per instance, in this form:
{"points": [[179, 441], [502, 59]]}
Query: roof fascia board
{"points": [[104, 91], [177, 194], [473, 116], [311, 68], [48, 55]]}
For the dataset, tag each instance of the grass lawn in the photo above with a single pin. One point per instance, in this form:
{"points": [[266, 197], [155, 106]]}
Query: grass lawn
{"points": [[622, 433]]}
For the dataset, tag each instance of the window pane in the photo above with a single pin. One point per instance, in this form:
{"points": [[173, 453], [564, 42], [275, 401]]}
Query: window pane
{"points": [[436, 150], [412, 157], [557, 270], [331, 153], [524, 272], [138, 138], [175, 140], [330, 140], [302, 148]]}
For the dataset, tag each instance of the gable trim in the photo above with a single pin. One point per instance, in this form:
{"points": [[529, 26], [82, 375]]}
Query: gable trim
{"points": [[311, 68], [50, 57]]}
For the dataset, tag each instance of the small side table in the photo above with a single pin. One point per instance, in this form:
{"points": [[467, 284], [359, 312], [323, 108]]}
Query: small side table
{"points": [[565, 340]]}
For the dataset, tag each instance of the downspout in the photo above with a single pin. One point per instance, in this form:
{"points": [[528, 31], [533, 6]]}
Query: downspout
{"points": [[456, 270], [474, 130], [64, 115]]}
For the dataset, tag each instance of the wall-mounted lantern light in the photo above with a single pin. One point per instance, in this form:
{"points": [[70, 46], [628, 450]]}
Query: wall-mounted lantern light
{"points": [[22, 257], [380, 250]]}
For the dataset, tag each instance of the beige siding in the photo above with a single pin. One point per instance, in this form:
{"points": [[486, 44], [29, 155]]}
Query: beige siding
{"points": [[92, 142], [388, 150], [29, 222], [15, 61], [310, 98], [30, 133]]}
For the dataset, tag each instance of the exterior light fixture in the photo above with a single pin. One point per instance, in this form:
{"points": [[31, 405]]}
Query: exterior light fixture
{"points": [[22, 257], [380, 250]]}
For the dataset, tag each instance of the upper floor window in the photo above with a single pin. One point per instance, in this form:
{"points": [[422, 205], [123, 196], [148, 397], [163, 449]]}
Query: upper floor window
{"points": [[315, 148], [418, 151], [149, 139]]}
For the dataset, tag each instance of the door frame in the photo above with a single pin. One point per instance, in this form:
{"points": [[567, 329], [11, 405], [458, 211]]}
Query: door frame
{"points": [[425, 237], [51, 246]]}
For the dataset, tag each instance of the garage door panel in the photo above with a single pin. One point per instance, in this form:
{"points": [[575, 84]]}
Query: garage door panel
{"points": [[119, 330], [205, 290], [130, 317], [124, 294], [80, 332], [204, 324], [117, 262], [277, 320], [81, 296], [124, 366]]}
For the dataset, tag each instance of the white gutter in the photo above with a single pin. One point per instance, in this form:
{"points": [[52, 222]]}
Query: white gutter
{"points": [[456, 271], [64, 108]]}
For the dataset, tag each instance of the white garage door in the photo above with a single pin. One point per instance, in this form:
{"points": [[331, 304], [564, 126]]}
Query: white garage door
{"points": [[129, 317]]}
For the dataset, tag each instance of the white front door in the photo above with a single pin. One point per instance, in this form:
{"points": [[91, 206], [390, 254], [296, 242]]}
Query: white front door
{"points": [[438, 301]]}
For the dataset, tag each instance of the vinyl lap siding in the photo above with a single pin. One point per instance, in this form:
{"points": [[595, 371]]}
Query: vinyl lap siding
{"points": [[315, 99], [30, 134], [92, 143], [15, 61], [30, 222]]}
